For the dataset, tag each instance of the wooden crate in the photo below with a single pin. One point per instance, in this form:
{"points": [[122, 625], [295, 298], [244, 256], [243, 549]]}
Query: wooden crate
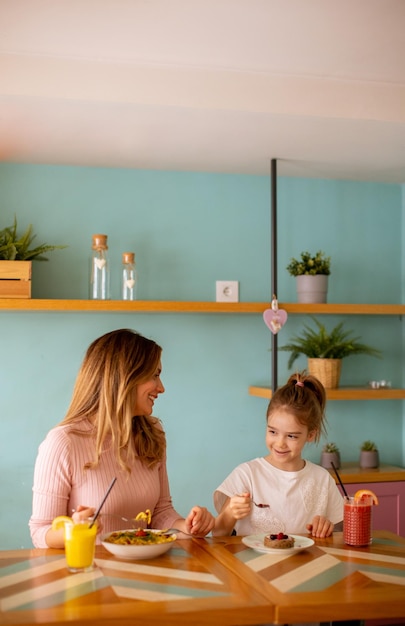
{"points": [[15, 279]]}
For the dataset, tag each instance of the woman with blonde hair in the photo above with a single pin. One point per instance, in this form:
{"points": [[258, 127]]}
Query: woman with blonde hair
{"points": [[108, 432]]}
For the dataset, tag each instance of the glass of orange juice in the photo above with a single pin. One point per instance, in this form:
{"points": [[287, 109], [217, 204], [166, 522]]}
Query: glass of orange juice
{"points": [[80, 543]]}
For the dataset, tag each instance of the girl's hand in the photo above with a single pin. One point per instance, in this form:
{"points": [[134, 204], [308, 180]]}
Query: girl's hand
{"points": [[320, 527], [199, 522], [240, 506]]}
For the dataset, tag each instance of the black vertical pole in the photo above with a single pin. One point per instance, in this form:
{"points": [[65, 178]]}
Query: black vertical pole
{"points": [[274, 368]]}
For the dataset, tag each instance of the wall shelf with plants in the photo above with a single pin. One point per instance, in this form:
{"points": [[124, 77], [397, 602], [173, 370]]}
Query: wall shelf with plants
{"points": [[342, 393], [328, 349], [134, 306], [313, 302], [171, 306]]}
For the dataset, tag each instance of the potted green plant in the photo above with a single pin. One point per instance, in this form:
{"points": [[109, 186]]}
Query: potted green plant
{"points": [[16, 255], [325, 351], [330, 454], [15, 247], [311, 272], [369, 457]]}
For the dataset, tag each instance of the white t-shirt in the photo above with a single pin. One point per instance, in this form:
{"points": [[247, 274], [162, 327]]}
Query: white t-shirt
{"points": [[294, 497]]}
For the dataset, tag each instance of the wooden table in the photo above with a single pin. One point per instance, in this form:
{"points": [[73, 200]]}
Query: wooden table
{"points": [[329, 581], [208, 581], [187, 585]]}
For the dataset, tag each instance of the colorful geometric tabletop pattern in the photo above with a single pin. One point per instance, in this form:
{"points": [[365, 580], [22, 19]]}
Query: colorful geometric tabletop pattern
{"points": [[127, 579], [185, 585], [331, 577]]}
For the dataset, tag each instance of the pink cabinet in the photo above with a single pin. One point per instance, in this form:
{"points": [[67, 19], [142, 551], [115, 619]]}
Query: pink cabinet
{"points": [[390, 512]]}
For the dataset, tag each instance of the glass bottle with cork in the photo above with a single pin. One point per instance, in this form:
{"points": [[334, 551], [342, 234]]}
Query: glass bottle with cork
{"points": [[129, 276], [100, 269]]}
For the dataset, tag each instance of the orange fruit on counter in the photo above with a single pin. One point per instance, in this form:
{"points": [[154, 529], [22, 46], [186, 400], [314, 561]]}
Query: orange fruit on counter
{"points": [[60, 521], [361, 494]]}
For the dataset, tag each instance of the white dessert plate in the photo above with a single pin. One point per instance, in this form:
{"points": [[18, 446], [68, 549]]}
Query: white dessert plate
{"points": [[256, 542]]}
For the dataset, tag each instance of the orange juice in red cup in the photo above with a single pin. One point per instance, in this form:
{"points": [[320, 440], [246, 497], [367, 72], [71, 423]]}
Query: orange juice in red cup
{"points": [[80, 543]]}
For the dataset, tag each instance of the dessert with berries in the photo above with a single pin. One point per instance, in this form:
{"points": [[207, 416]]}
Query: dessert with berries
{"points": [[279, 541]]}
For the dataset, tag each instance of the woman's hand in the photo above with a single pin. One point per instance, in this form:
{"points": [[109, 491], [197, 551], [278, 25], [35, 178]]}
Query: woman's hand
{"points": [[320, 527], [56, 538], [82, 513], [85, 512], [199, 522]]}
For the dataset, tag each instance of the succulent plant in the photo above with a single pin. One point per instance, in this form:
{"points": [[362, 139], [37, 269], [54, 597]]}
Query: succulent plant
{"points": [[330, 447], [368, 446], [14, 247]]}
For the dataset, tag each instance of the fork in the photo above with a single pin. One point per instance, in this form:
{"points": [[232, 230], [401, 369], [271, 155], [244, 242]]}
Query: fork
{"points": [[135, 524]]}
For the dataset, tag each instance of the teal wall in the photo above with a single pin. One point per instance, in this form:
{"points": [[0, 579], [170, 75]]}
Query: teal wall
{"points": [[189, 230]]}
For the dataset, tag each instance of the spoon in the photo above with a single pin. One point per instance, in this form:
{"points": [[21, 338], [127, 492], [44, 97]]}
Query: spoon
{"points": [[260, 506]]}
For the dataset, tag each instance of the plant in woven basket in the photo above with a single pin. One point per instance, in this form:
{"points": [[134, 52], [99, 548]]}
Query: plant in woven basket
{"points": [[325, 351], [15, 247], [318, 343]]}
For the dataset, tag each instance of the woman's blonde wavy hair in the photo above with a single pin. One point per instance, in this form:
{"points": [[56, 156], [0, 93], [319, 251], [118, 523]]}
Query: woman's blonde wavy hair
{"points": [[104, 393]]}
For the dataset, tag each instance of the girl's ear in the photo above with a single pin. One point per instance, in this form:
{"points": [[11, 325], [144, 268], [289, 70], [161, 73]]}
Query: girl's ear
{"points": [[311, 436]]}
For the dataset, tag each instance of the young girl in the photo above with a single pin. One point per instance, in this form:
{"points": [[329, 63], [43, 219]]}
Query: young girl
{"points": [[301, 497]]}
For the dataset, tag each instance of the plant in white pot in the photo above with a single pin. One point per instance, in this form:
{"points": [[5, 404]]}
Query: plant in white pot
{"points": [[311, 272], [330, 454], [369, 457], [325, 351]]}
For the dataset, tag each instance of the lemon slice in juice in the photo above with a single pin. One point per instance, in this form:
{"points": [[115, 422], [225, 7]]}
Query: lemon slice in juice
{"points": [[361, 494], [60, 521]]}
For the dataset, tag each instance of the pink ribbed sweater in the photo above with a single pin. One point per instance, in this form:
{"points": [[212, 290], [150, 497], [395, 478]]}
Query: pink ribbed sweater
{"points": [[61, 484]]}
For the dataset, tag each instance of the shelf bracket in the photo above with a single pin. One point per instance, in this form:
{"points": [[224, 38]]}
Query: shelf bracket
{"points": [[273, 181]]}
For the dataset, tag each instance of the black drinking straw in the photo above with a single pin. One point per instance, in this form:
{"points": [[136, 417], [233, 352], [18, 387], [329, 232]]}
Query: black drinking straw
{"points": [[338, 477], [102, 502]]}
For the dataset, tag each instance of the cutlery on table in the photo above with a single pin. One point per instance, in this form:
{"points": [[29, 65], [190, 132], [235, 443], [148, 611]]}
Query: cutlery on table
{"points": [[259, 505]]}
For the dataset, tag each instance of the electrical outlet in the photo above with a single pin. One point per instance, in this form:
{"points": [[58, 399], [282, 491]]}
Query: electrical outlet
{"points": [[227, 291]]}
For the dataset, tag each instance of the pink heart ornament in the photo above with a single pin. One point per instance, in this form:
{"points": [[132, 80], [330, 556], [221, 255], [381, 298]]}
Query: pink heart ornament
{"points": [[275, 320]]}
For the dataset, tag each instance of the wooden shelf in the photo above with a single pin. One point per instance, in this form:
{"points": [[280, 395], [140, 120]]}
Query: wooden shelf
{"points": [[135, 306], [340, 309], [352, 473], [343, 393], [169, 306]]}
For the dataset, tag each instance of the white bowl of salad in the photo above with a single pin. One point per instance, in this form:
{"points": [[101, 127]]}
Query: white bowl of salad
{"points": [[138, 543]]}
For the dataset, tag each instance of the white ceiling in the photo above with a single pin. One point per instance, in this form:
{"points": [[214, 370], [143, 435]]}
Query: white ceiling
{"points": [[206, 85]]}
